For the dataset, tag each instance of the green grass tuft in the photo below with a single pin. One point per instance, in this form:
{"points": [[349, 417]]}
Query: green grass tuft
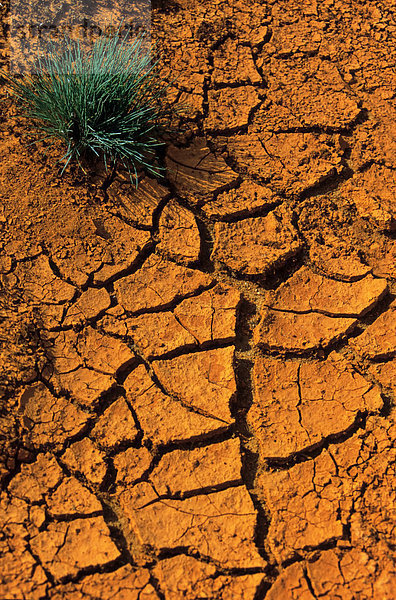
{"points": [[106, 103]]}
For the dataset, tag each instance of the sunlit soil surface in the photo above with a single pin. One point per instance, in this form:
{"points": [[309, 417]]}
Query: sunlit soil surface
{"points": [[198, 378]]}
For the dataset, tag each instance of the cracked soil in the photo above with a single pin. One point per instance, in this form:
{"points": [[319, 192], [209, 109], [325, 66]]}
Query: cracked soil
{"points": [[198, 377]]}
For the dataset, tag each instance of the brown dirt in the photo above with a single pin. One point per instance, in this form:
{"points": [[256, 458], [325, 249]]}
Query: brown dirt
{"points": [[198, 377]]}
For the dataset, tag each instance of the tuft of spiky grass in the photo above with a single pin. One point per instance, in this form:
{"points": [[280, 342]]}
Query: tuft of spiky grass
{"points": [[106, 102]]}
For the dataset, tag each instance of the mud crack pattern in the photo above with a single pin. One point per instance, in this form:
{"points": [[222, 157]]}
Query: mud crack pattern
{"points": [[198, 377]]}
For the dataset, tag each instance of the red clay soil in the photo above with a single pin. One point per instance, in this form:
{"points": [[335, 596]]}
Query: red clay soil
{"points": [[199, 377]]}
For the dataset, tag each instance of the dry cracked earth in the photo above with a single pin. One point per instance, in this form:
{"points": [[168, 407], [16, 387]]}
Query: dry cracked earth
{"points": [[198, 377]]}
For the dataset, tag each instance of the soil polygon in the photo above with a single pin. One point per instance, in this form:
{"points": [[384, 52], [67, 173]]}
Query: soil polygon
{"points": [[198, 376]]}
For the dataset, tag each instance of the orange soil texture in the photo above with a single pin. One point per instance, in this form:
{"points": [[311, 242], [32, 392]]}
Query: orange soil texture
{"points": [[199, 377]]}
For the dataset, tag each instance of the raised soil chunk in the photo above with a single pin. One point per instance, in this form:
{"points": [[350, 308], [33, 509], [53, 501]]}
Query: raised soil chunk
{"points": [[85, 458], [293, 332], [197, 320], [299, 404], [291, 38], [72, 498], [75, 261], [310, 311], [36, 479], [350, 574], [205, 381], [49, 420], [307, 291], [187, 578], [290, 162], [378, 341], [301, 517], [192, 60], [211, 315], [178, 233], [40, 283], [233, 63], [291, 584], [376, 141], [189, 470], [115, 426], [219, 525], [91, 244], [382, 258], [250, 25], [157, 283], [385, 374], [90, 304], [113, 322], [373, 193], [131, 465], [155, 334], [84, 385], [103, 353], [66, 548], [122, 584], [254, 246], [85, 364], [311, 502], [337, 263], [61, 350], [197, 172], [368, 457], [162, 418], [334, 574], [317, 95], [249, 197], [230, 108], [21, 575], [123, 246], [14, 519], [45, 293]]}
